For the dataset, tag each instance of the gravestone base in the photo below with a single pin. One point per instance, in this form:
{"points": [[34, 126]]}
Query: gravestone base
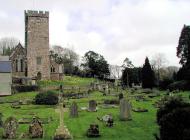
{"points": [[62, 133]]}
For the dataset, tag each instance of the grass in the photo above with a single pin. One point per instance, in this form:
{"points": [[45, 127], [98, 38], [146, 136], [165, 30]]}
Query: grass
{"points": [[69, 81], [142, 126]]}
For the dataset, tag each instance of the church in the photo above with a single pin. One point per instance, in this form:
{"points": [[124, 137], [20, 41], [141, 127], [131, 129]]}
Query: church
{"points": [[33, 62]]}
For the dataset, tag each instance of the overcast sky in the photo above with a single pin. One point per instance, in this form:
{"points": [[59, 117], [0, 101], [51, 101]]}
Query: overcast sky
{"points": [[114, 28]]}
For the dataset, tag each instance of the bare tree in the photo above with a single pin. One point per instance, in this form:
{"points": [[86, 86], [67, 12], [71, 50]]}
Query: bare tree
{"points": [[66, 56], [115, 71], [158, 61], [7, 44]]}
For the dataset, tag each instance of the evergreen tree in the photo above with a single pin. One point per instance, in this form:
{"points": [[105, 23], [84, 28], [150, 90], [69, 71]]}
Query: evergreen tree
{"points": [[148, 78], [183, 52]]}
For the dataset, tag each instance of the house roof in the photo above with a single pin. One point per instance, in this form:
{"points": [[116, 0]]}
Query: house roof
{"points": [[5, 66]]}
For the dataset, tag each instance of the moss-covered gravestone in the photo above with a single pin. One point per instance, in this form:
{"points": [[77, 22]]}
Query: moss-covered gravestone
{"points": [[10, 126], [125, 110], [35, 128], [74, 110]]}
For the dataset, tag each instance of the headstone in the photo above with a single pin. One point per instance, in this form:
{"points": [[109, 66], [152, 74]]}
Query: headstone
{"points": [[10, 127], [125, 110], [74, 110], [93, 131], [92, 106], [120, 96], [35, 128]]}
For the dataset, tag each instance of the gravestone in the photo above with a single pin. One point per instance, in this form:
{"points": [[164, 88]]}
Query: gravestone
{"points": [[92, 106], [10, 127], [125, 110], [74, 110], [120, 96], [93, 131], [35, 128]]}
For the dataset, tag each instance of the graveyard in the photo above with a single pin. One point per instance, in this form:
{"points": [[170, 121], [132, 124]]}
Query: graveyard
{"points": [[141, 125]]}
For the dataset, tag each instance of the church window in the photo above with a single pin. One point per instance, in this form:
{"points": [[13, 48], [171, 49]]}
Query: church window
{"points": [[39, 60], [21, 65], [16, 64], [52, 69]]}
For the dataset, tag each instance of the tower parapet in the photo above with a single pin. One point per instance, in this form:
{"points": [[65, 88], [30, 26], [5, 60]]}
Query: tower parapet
{"points": [[32, 13]]}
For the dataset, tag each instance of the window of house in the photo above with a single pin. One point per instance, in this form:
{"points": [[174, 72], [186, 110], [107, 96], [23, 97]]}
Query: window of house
{"points": [[39, 60]]}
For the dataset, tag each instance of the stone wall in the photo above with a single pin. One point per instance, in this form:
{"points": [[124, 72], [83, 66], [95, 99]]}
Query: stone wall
{"points": [[37, 43]]}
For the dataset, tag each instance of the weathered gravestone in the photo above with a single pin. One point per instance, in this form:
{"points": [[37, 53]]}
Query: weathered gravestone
{"points": [[93, 131], [35, 128], [74, 110], [125, 110], [92, 106], [10, 127]]}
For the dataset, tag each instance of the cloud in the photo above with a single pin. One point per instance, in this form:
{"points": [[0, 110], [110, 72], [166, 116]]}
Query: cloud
{"points": [[114, 28]]}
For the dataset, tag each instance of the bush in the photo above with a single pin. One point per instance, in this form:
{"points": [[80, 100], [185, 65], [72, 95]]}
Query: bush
{"points": [[179, 85], [24, 88], [46, 98], [163, 84], [173, 119]]}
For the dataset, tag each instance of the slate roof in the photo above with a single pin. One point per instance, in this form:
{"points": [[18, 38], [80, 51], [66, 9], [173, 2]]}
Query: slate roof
{"points": [[5, 66]]}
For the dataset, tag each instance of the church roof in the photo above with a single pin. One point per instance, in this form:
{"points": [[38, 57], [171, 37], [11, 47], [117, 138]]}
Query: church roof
{"points": [[5, 66]]}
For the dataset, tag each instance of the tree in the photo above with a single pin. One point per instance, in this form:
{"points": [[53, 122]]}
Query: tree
{"points": [[65, 56], [7, 44], [115, 71], [95, 65], [147, 75], [183, 52], [131, 75], [183, 49], [127, 64], [158, 62]]}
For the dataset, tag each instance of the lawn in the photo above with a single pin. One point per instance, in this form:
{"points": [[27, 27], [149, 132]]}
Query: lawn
{"points": [[142, 126]]}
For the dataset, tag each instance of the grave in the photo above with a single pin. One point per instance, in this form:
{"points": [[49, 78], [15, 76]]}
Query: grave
{"points": [[139, 109], [92, 106], [10, 127], [93, 131], [15, 105], [125, 110], [74, 110], [35, 128], [108, 119]]}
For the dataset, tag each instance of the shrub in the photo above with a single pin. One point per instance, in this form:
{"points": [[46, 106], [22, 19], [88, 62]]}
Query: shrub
{"points": [[163, 84], [24, 88], [46, 98], [173, 119], [181, 85]]}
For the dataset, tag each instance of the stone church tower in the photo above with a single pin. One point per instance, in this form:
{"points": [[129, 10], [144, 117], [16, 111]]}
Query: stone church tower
{"points": [[37, 44]]}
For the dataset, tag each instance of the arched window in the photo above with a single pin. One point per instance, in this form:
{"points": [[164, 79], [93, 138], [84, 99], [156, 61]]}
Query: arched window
{"points": [[16, 65], [21, 65], [52, 69], [39, 76]]}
